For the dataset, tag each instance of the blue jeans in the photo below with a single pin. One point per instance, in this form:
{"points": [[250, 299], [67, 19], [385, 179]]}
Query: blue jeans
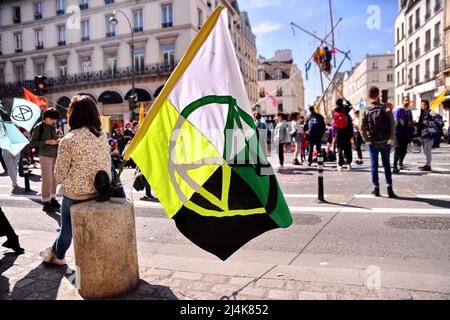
{"points": [[64, 240], [385, 150]]}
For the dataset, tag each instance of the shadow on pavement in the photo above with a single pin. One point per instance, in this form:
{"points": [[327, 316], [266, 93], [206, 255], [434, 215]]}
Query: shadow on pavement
{"points": [[5, 264], [146, 291], [432, 202]]}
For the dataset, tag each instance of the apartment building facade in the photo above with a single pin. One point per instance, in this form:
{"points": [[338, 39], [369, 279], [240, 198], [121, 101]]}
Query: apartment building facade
{"points": [[79, 49], [423, 41], [280, 78], [374, 70]]}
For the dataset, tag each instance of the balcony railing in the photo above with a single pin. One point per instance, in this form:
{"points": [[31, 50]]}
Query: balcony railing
{"points": [[427, 46], [437, 7], [417, 53], [427, 75], [110, 34], [94, 77], [417, 25], [416, 81], [39, 46], [16, 19], [84, 39], [427, 15], [60, 12], [84, 6], [37, 16], [410, 31], [138, 29], [410, 57], [19, 50], [167, 24], [61, 43], [109, 1]]}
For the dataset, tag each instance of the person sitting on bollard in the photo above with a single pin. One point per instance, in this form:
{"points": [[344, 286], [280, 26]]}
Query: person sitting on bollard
{"points": [[82, 154], [45, 138]]}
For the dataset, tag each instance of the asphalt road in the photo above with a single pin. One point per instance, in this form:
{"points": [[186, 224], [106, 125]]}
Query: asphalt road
{"points": [[409, 235]]}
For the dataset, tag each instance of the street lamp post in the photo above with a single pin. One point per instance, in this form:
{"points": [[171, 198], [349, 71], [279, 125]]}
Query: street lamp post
{"points": [[113, 20]]}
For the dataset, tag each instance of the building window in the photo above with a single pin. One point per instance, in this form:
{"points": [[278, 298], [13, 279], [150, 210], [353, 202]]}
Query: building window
{"points": [[62, 70], [428, 40], [390, 77], [39, 39], [18, 42], [85, 30], [417, 18], [86, 66], [410, 54], [410, 77], [427, 69], [20, 73], [410, 29], [60, 7], [280, 107], [375, 65], [437, 6], [109, 1], [2, 77], [279, 74], [111, 65], [169, 54], [437, 61], [84, 4], [38, 10], [138, 20], [1, 45], [428, 10], [437, 34], [417, 74], [403, 53], [279, 92], [167, 15], [139, 59], [39, 69], [110, 28], [16, 15], [61, 35], [417, 47], [200, 18]]}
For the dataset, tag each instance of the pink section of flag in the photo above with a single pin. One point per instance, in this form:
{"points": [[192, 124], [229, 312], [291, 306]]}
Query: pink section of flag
{"points": [[274, 100]]}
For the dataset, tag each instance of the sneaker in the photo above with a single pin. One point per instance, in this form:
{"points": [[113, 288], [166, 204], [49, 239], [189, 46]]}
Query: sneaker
{"points": [[376, 192], [47, 255], [349, 167], [48, 207], [339, 168], [55, 204], [58, 262], [426, 169], [396, 170], [13, 243]]}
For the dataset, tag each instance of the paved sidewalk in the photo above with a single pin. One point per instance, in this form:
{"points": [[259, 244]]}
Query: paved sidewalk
{"points": [[170, 277]]}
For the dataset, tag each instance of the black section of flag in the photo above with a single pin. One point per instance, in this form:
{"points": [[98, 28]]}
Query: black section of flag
{"points": [[222, 236]]}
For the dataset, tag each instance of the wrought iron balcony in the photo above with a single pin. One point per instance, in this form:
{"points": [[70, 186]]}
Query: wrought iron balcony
{"points": [[138, 29], [109, 1], [19, 50], [437, 41], [110, 34], [60, 12], [37, 16], [167, 24], [40, 46], [84, 6], [61, 43], [16, 19], [84, 39], [152, 70]]}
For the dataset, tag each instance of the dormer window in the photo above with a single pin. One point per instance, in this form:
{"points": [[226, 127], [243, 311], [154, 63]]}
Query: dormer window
{"points": [[279, 74]]}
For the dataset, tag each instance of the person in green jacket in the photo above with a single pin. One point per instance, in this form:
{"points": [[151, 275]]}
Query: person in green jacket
{"points": [[45, 138]]}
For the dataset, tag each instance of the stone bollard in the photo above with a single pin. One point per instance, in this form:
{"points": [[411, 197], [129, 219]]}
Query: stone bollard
{"points": [[104, 236]]}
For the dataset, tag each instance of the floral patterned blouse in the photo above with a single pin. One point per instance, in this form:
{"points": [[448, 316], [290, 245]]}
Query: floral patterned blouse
{"points": [[80, 156]]}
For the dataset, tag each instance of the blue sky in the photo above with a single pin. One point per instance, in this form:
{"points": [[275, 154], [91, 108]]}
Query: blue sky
{"points": [[271, 20]]}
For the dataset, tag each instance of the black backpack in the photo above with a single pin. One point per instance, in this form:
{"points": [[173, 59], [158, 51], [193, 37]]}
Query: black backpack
{"points": [[378, 124]]}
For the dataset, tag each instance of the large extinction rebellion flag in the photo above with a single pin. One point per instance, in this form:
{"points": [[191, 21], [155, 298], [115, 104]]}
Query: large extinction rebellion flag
{"points": [[199, 150]]}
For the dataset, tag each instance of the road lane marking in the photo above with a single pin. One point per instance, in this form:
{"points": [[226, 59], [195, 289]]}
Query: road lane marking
{"points": [[318, 209]]}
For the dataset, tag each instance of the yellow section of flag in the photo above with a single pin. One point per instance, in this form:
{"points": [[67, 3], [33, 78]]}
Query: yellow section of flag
{"points": [[141, 114], [438, 101]]}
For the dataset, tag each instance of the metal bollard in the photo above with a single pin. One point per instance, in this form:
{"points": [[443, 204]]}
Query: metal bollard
{"points": [[321, 196], [26, 174]]}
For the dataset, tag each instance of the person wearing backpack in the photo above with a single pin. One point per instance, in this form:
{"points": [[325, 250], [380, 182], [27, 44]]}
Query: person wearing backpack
{"points": [[315, 129], [343, 134], [404, 132], [281, 136], [45, 137], [377, 130], [430, 126]]}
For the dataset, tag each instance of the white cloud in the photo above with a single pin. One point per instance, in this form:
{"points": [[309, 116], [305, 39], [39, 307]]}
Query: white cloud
{"points": [[266, 27]]}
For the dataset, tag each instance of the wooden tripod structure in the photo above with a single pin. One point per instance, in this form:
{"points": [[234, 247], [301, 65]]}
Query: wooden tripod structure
{"points": [[325, 41]]}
